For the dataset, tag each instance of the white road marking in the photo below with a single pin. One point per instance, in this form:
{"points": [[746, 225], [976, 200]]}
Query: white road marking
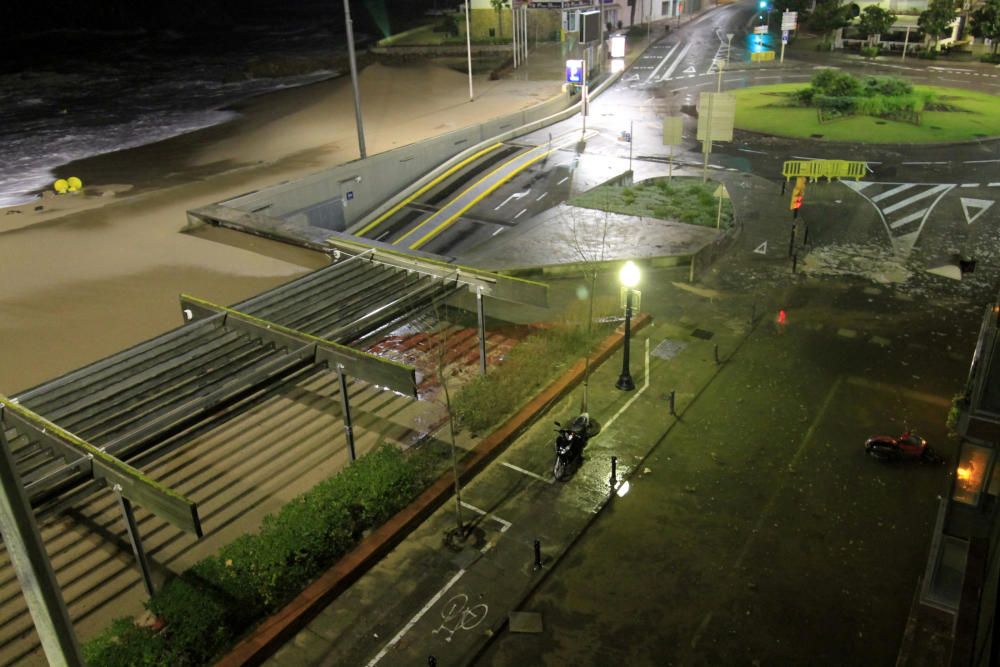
{"points": [[993, 185], [894, 191], [969, 203], [504, 525], [908, 218], [542, 196], [415, 619], [917, 197], [978, 161], [969, 185], [516, 195], [565, 178], [677, 61], [645, 385], [547, 480], [523, 211], [497, 231], [662, 63], [748, 150]]}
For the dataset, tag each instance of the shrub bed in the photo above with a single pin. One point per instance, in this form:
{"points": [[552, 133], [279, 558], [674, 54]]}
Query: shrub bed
{"points": [[213, 603], [490, 398], [682, 199]]}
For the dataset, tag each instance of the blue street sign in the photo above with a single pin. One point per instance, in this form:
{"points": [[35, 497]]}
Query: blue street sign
{"points": [[574, 71], [784, 37]]}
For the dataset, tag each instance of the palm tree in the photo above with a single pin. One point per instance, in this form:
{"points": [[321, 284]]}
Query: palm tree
{"points": [[498, 7]]}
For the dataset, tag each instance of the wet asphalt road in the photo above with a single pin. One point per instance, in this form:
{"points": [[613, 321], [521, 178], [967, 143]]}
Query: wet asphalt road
{"points": [[759, 532]]}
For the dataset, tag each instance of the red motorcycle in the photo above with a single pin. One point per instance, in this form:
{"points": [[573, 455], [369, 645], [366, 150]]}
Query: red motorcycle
{"points": [[907, 447]]}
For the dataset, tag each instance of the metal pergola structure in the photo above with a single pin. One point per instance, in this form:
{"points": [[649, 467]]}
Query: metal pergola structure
{"points": [[76, 434]]}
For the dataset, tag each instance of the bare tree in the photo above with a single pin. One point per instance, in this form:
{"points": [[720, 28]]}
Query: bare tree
{"points": [[459, 533], [589, 242]]}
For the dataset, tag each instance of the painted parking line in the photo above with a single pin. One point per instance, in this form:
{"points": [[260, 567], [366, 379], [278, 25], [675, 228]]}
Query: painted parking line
{"points": [[547, 480], [504, 524], [645, 386]]}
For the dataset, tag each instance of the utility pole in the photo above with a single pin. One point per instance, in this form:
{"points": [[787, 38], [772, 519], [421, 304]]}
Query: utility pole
{"points": [[354, 79], [468, 46]]}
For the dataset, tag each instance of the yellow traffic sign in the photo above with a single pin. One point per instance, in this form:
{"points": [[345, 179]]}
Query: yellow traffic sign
{"points": [[762, 56]]}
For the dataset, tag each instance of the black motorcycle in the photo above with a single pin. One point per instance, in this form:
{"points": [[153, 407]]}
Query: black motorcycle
{"points": [[569, 445]]}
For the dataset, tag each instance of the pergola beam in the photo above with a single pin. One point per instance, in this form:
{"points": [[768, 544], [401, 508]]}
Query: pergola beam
{"points": [[157, 498]]}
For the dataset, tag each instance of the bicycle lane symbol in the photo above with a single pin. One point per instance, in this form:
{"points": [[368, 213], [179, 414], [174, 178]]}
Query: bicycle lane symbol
{"points": [[457, 615]]}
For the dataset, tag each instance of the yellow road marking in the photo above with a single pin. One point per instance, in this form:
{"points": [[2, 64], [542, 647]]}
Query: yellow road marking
{"points": [[447, 223], [395, 209]]}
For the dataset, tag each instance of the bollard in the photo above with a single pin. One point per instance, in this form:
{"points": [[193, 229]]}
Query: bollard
{"points": [[538, 556], [717, 362], [673, 413], [614, 472]]}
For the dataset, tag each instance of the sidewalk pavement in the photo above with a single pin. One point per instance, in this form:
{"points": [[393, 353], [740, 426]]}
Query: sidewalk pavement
{"points": [[425, 599]]}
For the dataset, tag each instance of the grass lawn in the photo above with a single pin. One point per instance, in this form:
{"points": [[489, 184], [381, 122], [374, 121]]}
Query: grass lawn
{"points": [[759, 109], [683, 199]]}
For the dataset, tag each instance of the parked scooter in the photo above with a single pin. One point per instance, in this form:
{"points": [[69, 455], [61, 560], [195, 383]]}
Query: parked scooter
{"points": [[907, 447], [569, 445]]}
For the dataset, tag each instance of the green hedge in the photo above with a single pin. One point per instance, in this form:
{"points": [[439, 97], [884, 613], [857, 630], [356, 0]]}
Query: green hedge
{"points": [[212, 604]]}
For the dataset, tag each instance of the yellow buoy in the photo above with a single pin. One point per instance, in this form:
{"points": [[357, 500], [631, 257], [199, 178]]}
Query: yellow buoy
{"points": [[74, 183], [61, 186]]}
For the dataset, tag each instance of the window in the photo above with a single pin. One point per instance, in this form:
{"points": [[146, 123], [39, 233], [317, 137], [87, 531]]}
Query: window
{"points": [[569, 21]]}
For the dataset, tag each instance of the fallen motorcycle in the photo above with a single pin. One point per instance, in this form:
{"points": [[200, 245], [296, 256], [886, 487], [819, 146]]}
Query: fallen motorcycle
{"points": [[907, 447]]}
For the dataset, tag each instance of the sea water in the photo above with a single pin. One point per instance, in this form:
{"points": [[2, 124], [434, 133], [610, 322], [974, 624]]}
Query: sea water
{"points": [[95, 93]]}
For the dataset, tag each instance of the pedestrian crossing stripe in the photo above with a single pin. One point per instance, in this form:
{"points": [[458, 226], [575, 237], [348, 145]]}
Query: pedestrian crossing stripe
{"points": [[902, 207], [978, 205]]}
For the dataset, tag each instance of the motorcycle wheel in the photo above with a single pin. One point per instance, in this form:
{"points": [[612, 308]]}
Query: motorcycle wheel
{"points": [[559, 470], [932, 457]]}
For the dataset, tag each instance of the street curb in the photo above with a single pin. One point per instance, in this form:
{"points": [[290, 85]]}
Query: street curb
{"points": [[281, 627]]}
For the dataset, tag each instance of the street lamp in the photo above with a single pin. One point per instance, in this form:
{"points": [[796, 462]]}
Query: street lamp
{"points": [[629, 277]]}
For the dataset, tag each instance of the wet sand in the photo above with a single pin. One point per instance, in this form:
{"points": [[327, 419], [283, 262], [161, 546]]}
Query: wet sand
{"points": [[91, 273]]}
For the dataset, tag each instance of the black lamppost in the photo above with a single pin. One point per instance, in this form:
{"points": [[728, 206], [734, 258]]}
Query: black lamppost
{"points": [[629, 277]]}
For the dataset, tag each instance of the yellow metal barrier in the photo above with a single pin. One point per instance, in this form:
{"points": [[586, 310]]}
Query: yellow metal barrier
{"points": [[762, 56], [828, 169]]}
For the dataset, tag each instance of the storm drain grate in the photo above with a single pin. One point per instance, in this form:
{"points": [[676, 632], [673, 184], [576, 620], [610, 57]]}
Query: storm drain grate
{"points": [[702, 334], [668, 349]]}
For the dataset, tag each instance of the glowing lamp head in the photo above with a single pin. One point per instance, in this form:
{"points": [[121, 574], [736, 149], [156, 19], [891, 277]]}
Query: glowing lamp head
{"points": [[762, 4], [629, 274], [964, 474]]}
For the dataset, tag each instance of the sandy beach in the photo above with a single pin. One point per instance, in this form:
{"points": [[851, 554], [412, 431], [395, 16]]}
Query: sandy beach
{"points": [[87, 274]]}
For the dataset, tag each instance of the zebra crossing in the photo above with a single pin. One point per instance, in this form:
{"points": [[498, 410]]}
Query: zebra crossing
{"points": [[902, 207]]}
